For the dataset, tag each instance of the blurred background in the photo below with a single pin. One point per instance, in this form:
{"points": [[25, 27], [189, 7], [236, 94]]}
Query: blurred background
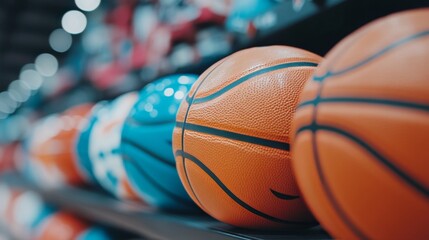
{"points": [[57, 54]]}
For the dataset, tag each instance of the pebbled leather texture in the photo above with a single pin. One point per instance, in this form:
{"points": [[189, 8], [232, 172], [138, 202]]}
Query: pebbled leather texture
{"points": [[360, 152], [232, 138]]}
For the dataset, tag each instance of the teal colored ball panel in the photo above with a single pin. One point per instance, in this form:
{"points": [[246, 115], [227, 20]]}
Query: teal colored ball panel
{"points": [[44, 214], [160, 144], [153, 178], [244, 11], [146, 143], [94, 233], [159, 101], [82, 145]]}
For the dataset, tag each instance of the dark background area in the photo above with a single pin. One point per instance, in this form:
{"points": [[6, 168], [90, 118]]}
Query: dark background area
{"points": [[25, 26]]}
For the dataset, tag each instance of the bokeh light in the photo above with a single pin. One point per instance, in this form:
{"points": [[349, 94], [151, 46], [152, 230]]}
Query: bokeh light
{"points": [[179, 95], [28, 66], [21, 91], [11, 104], [87, 5], [46, 64], [32, 78], [74, 22], [60, 40], [168, 92], [5, 106], [14, 95]]}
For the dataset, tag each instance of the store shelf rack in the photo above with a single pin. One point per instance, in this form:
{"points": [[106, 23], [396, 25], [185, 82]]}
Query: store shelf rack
{"points": [[147, 222]]}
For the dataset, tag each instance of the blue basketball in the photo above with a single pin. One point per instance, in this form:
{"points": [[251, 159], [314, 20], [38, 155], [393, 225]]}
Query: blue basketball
{"points": [[146, 143], [82, 144]]}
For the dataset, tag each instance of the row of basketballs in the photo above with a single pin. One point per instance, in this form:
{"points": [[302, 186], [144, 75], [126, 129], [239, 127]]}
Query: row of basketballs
{"points": [[26, 216], [261, 123], [123, 145]]}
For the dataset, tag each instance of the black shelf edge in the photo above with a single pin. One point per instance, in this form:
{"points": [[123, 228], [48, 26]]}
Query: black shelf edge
{"points": [[145, 221]]}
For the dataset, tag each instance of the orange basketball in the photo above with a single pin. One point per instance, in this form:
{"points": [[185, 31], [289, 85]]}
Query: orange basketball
{"points": [[362, 131], [55, 151], [9, 197], [231, 139]]}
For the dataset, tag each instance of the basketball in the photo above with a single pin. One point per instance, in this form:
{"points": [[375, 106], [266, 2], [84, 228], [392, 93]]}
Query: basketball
{"points": [[36, 165], [231, 139], [82, 144], [29, 212], [361, 132], [55, 151], [146, 143], [28, 165], [6, 195], [9, 198], [61, 225], [104, 146]]}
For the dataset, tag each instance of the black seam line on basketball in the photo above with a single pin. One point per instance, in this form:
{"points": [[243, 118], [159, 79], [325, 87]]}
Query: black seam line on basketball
{"points": [[382, 159], [235, 136], [392, 46], [232, 195], [183, 133], [283, 196], [330, 195], [250, 76], [135, 122], [148, 152], [375, 101], [335, 204], [158, 186]]}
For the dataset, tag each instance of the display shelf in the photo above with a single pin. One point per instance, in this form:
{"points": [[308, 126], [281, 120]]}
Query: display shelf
{"points": [[145, 221]]}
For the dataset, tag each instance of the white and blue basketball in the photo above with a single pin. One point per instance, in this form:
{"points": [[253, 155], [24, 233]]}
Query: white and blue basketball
{"points": [[104, 142], [83, 141], [29, 212]]}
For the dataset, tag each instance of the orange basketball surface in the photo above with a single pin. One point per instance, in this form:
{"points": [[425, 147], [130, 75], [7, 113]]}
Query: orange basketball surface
{"points": [[56, 152], [231, 139], [362, 128]]}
